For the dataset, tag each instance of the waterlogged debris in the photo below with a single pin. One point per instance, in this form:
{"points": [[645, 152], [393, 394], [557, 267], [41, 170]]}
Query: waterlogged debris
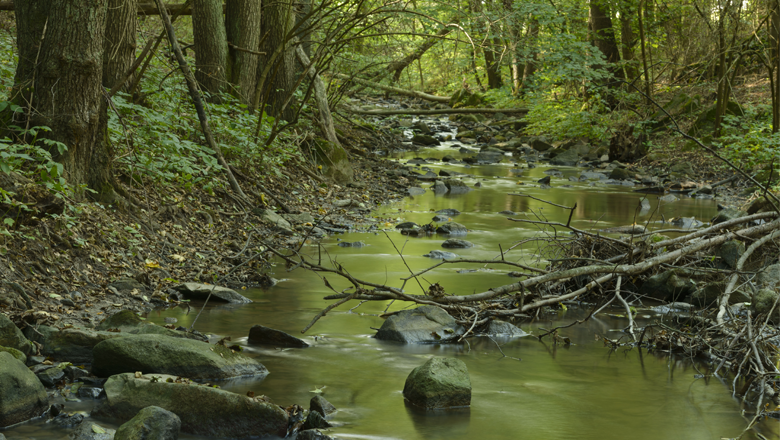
{"points": [[441, 255], [319, 390]]}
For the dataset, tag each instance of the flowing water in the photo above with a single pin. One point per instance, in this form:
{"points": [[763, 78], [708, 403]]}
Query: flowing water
{"points": [[526, 389]]}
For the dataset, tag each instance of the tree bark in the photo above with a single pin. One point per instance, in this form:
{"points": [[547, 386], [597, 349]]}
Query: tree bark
{"points": [[775, 62], [405, 92], [604, 35], [493, 62], [320, 96], [242, 22], [59, 83], [210, 47], [530, 65], [627, 41], [120, 42], [278, 19]]}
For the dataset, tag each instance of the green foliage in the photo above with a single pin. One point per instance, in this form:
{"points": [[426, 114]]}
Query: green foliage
{"points": [[568, 119], [748, 140]]}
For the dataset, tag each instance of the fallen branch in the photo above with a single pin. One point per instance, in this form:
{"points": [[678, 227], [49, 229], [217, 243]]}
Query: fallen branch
{"points": [[400, 91], [447, 111]]}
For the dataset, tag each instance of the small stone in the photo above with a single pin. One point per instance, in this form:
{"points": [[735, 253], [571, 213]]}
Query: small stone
{"points": [[455, 243], [321, 405], [441, 255]]}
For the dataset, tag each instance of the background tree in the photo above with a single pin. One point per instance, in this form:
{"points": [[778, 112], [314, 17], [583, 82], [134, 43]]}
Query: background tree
{"points": [[277, 71], [120, 41], [210, 46], [242, 23]]}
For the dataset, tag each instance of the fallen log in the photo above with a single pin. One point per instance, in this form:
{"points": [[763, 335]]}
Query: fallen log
{"points": [[446, 111], [400, 91]]}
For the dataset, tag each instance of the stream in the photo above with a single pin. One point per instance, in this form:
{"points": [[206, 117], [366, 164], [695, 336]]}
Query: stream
{"points": [[583, 391]]}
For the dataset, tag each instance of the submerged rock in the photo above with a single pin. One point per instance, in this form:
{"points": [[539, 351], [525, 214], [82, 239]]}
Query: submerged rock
{"points": [[22, 396], [151, 423], [448, 212], [503, 328], [441, 255], [165, 355], [201, 292], [425, 324], [456, 243], [259, 334], [203, 410], [456, 186], [452, 228], [438, 384]]}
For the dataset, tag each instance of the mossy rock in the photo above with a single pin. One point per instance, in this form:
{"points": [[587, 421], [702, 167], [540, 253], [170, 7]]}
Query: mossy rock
{"points": [[761, 204], [657, 238], [657, 157], [465, 98], [763, 301], [334, 160], [124, 318], [15, 353]]}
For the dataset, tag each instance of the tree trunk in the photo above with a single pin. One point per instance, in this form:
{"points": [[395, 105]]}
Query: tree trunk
{"points": [[397, 67], [242, 22], [210, 47], [59, 83], [120, 42], [604, 35], [627, 41], [493, 63], [530, 65], [278, 19], [774, 62], [643, 45]]}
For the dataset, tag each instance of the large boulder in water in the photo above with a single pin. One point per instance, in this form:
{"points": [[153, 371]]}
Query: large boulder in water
{"points": [[439, 383], [425, 324], [89, 430], [165, 355], [203, 410], [151, 423], [201, 292], [259, 334], [567, 158], [128, 322], [452, 228], [22, 395]]}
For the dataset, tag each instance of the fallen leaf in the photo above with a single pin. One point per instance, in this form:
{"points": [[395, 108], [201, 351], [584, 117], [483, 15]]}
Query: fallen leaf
{"points": [[97, 429]]}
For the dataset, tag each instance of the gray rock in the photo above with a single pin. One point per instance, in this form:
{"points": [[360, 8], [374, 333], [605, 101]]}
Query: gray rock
{"points": [[201, 292], [203, 410], [768, 277], [763, 301], [415, 191], [15, 353], [74, 373], [439, 187], [269, 216], [669, 198], [456, 243], [448, 212], [645, 205], [440, 218], [441, 255], [89, 430], [544, 180], [590, 175], [452, 228], [128, 322], [422, 127], [439, 383], [731, 251], [259, 334], [86, 392], [425, 324], [312, 434], [303, 217], [539, 144], [687, 222], [151, 423], [355, 244], [72, 344], [315, 420], [165, 355], [456, 186], [507, 213], [487, 157], [50, 376], [127, 284], [407, 225], [23, 395], [424, 139], [65, 420], [321, 405], [667, 286], [727, 214], [621, 174], [11, 336], [566, 158], [502, 328]]}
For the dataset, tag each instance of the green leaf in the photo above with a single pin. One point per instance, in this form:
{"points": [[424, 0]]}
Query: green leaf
{"points": [[97, 429]]}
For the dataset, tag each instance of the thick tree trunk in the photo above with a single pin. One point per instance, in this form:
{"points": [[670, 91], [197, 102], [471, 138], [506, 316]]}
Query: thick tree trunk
{"points": [[604, 35], [242, 22], [210, 46], [530, 65], [627, 38], [58, 82], [120, 42], [774, 62], [278, 19], [493, 63]]}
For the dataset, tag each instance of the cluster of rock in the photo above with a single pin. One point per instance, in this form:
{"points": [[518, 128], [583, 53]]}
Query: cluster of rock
{"points": [[150, 377]]}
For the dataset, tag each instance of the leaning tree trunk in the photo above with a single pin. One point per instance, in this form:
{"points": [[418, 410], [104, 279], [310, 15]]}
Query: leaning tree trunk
{"points": [[58, 82], [604, 35], [397, 67], [278, 19], [242, 22], [120, 42], [210, 46]]}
